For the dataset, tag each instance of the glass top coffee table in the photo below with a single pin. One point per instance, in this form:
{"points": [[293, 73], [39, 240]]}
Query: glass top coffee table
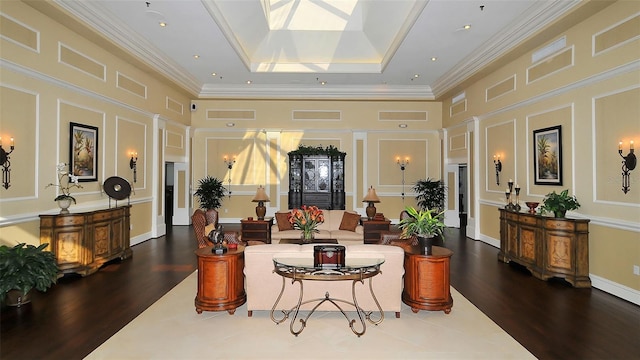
{"points": [[303, 269]]}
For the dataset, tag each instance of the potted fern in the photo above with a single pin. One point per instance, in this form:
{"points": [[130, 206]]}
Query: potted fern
{"points": [[423, 225], [559, 204], [23, 268]]}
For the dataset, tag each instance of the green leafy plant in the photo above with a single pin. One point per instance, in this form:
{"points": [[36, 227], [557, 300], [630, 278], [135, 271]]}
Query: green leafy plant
{"points": [[559, 204], [24, 267], [316, 150], [422, 223], [430, 194], [210, 192]]}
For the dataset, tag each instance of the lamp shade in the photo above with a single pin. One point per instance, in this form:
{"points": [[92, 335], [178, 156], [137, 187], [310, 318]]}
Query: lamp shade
{"points": [[371, 196], [261, 195]]}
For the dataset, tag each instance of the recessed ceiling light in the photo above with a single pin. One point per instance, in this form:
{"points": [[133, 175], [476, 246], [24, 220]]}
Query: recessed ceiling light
{"points": [[162, 24], [402, 126], [434, 58], [416, 75], [196, 56], [467, 27], [231, 124], [213, 74], [248, 82], [323, 83]]}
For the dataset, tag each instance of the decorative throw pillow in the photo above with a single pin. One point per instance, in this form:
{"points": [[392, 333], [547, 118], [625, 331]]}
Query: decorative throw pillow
{"points": [[282, 219], [349, 221]]}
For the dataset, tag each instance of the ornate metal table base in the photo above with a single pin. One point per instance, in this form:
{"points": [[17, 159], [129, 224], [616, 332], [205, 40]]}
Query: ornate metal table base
{"points": [[357, 275]]}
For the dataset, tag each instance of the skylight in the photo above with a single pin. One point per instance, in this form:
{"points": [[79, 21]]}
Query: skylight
{"points": [[320, 15]]}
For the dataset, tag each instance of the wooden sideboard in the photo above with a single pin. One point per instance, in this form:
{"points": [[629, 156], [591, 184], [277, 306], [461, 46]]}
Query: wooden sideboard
{"points": [[546, 246], [82, 242]]}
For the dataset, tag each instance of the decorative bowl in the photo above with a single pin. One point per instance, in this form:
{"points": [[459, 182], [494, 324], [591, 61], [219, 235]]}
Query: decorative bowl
{"points": [[532, 206]]}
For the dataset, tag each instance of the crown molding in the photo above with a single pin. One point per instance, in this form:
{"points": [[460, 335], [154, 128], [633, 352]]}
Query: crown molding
{"points": [[541, 15], [376, 92]]}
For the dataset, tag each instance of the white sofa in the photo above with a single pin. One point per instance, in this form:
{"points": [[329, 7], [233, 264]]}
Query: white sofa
{"points": [[329, 229], [263, 285]]}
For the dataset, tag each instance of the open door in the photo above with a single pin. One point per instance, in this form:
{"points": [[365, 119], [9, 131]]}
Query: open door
{"points": [[451, 214], [181, 203]]}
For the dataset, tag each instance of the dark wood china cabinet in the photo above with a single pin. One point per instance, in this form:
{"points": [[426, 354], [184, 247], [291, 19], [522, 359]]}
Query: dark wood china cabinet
{"points": [[316, 177]]}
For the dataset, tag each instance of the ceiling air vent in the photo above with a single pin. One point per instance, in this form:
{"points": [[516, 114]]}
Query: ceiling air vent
{"points": [[552, 48]]}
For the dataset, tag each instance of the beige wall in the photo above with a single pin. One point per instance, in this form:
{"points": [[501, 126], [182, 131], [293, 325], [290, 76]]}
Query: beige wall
{"points": [[40, 96], [593, 95], [367, 131]]}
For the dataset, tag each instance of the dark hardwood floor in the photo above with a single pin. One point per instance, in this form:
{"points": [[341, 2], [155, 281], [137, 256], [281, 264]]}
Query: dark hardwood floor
{"points": [[551, 319]]}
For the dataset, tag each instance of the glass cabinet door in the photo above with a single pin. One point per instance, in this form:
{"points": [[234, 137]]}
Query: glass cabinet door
{"points": [[310, 175], [323, 175], [338, 174], [295, 172]]}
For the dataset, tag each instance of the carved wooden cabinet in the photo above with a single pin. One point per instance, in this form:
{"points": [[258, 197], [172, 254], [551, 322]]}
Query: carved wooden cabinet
{"points": [[82, 242], [546, 246], [316, 180]]}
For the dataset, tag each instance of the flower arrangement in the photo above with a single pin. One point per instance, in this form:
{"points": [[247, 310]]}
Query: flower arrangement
{"points": [[66, 181], [306, 219]]}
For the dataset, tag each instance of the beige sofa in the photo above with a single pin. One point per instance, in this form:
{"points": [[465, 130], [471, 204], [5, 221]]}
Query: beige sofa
{"points": [[329, 229], [263, 285]]}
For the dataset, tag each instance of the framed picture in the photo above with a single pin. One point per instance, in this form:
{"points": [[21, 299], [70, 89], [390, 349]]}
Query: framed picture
{"points": [[547, 159], [83, 152]]}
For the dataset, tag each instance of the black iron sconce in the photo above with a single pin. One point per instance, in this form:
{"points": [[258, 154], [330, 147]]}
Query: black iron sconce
{"points": [[403, 166], [6, 164], [498, 165], [628, 164], [133, 164], [229, 163]]}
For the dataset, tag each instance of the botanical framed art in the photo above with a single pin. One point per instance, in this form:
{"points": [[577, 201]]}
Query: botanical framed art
{"points": [[547, 159], [83, 152]]}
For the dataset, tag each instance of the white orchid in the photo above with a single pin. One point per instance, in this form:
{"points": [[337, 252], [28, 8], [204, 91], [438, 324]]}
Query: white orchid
{"points": [[66, 181]]}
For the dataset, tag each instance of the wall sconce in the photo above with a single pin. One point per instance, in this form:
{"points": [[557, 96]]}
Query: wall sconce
{"points": [[261, 197], [371, 198], [6, 164], [628, 164], [403, 166], [498, 164], [133, 164], [229, 163]]}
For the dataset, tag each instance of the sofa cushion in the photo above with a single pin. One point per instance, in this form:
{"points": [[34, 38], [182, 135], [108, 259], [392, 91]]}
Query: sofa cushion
{"points": [[282, 219], [349, 221]]}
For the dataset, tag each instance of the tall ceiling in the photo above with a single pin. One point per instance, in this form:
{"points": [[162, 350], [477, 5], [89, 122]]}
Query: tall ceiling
{"points": [[391, 49]]}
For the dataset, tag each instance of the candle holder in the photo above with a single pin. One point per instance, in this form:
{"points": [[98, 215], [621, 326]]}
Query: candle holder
{"points": [[507, 195], [517, 205]]}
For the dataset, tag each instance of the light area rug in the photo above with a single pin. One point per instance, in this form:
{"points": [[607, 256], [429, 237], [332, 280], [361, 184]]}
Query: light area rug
{"points": [[171, 329]]}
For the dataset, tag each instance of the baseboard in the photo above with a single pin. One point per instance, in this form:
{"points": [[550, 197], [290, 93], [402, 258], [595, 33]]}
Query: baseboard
{"points": [[140, 238], [621, 291]]}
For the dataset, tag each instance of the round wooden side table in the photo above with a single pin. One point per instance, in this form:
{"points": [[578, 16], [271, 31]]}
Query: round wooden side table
{"points": [[426, 280], [220, 280]]}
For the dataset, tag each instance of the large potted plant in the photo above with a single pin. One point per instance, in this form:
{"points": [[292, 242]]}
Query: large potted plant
{"points": [[425, 225], [559, 204], [24, 267], [430, 194], [210, 192]]}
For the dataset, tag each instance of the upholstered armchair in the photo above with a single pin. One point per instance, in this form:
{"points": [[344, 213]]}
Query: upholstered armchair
{"points": [[203, 221], [395, 237]]}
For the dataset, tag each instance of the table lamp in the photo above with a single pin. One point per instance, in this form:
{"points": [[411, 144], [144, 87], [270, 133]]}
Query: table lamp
{"points": [[260, 198], [371, 198]]}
